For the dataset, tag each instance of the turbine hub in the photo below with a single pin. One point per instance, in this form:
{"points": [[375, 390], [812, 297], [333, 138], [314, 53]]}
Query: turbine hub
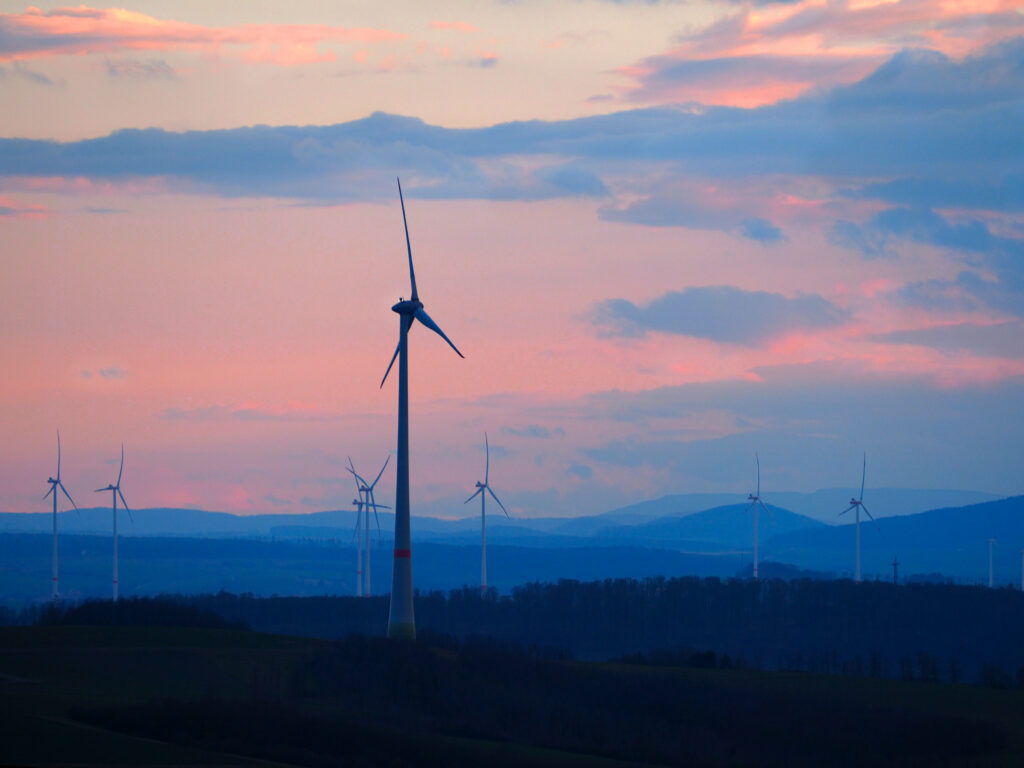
{"points": [[407, 307]]}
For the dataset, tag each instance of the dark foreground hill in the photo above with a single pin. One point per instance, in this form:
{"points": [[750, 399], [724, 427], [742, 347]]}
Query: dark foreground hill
{"points": [[169, 696]]}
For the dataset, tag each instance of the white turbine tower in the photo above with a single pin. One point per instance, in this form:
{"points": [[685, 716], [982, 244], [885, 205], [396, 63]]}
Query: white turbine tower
{"points": [[55, 483], [369, 502], [480, 488], [115, 491], [755, 502], [857, 505], [401, 621]]}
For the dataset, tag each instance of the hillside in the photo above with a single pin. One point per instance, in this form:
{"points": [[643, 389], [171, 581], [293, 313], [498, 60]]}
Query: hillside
{"points": [[164, 696], [951, 541]]}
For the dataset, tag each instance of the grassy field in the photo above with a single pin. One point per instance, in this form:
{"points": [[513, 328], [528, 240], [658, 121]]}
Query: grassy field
{"points": [[92, 696]]}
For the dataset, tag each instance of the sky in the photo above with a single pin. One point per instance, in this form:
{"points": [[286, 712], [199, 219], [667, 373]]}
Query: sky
{"points": [[665, 235]]}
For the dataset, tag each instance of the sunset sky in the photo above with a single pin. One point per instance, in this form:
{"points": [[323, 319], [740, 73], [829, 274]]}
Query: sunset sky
{"points": [[664, 234]]}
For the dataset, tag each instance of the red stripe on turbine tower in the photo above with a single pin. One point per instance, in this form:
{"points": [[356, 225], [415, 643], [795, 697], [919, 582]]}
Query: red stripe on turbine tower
{"points": [[406, 553]]}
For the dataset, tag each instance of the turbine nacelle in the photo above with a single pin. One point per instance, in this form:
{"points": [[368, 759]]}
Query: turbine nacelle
{"points": [[407, 306]]}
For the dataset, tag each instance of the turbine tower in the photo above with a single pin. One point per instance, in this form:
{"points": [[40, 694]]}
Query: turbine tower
{"points": [[401, 621], [755, 502], [480, 488], [55, 483], [857, 505], [358, 536], [366, 493], [991, 543], [115, 491]]}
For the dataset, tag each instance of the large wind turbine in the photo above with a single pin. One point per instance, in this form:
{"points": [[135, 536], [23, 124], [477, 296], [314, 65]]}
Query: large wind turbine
{"points": [[480, 488], [359, 537], [55, 483], [401, 621], [369, 503], [857, 505], [755, 502], [115, 491]]}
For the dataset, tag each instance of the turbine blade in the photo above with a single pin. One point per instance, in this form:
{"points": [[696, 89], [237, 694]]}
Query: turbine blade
{"points": [[68, 495], [122, 467], [868, 513], [408, 246], [424, 318], [847, 510], [381, 506], [765, 508], [758, 460], [355, 477], [125, 503], [52, 489], [58, 455], [374, 483], [478, 492], [100, 490], [487, 463], [393, 358], [498, 500], [863, 474]]}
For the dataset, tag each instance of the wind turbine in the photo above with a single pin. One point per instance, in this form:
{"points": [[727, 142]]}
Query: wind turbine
{"points": [[55, 483], [991, 543], [480, 488], [755, 502], [358, 536], [115, 491], [401, 621], [857, 505], [366, 492]]}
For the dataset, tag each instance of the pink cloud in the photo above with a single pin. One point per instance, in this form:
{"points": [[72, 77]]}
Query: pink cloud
{"points": [[84, 30], [760, 56], [13, 209], [456, 26]]}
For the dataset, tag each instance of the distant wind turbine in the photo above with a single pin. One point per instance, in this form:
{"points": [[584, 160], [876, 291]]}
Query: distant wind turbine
{"points": [[755, 502], [480, 488], [358, 536], [401, 621], [369, 503], [115, 491], [55, 483], [991, 544], [857, 505]]}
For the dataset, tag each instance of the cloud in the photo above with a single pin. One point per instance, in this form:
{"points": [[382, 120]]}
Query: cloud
{"points": [[140, 69], [920, 116], [753, 57], [971, 238], [1002, 193], [868, 241], [85, 30], [13, 209], [580, 470], [20, 71], [997, 340], [762, 231], [720, 313], [113, 372], [808, 419]]}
